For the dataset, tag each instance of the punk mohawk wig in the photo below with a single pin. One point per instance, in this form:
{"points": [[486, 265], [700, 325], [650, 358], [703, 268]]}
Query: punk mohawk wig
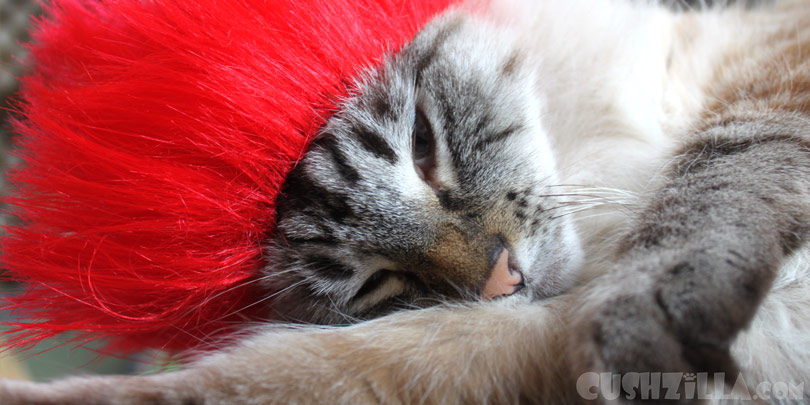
{"points": [[155, 137]]}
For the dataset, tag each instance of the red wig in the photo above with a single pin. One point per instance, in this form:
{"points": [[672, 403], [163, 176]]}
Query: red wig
{"points": [[154, 137]]}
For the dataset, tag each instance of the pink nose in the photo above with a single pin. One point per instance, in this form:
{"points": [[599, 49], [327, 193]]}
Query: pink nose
{"points": [[503, 279]]}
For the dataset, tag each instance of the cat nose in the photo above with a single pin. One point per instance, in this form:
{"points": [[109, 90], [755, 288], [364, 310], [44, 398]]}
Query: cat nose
{"points": [[504, 277]]}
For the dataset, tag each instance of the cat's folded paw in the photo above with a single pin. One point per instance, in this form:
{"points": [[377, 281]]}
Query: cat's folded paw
{"points": [[674, 314]]}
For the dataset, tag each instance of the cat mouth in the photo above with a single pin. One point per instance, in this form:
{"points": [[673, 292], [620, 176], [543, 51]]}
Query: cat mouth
{"points": [[504, 279]]}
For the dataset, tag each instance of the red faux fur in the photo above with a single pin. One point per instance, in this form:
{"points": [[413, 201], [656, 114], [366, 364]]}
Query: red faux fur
{"points": [[155, 136]]}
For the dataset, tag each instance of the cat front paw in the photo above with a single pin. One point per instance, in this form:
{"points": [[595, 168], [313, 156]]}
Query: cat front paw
{"points": [[669, 315]]}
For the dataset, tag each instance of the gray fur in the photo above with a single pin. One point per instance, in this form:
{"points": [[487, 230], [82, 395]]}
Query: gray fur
{"points": [[710, 244], [345, 213]]}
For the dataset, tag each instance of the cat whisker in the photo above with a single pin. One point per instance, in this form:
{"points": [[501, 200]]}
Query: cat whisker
{"points": [[431, 301], [588, 197], [342, 314], [406, 305], [236, 287], [582, 198], [594, 189], [268, 297], [464, 293], [563, 208], [594, 215], [594, 201], [571, 212], [215, 296], [204, 339], [573, 208]]}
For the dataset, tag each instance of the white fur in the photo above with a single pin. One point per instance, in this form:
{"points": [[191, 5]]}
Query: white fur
{"points": [[626, 83]]}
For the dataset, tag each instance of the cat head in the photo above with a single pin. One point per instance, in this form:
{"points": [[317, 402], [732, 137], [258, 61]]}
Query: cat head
{"points": [[434, 165]]}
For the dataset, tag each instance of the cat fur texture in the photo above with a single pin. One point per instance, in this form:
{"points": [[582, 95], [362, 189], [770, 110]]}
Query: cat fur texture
{"points": [[698, 264]]}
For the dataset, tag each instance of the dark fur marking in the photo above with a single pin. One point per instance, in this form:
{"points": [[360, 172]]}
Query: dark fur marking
{"points": [[700, 155], [424, 61], [380, 105], [330, 144], [456, 142], [375, 144], [647, 236], [324, 237], [510, 66], [326, 232], [449, 202], [791, 239], [300, 191], [480, 127], [326, 240], [448, 110], [329, 268], [511, 196]]}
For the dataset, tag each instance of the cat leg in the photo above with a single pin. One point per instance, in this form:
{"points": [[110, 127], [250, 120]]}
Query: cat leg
{"points": [[503, 351], [702, 255], [177, 388]]}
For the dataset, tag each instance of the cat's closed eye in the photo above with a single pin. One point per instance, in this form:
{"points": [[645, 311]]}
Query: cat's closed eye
{"points": [[373, 282], [424, 149], [383, 284]]}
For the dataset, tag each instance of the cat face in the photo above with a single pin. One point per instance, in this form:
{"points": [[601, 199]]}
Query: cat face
{"points": [[434, 165]]}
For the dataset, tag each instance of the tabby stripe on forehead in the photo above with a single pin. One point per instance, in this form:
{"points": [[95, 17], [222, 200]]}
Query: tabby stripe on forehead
{"points": [[426, 59], [329, 268], [375, 144], [346, 171]]}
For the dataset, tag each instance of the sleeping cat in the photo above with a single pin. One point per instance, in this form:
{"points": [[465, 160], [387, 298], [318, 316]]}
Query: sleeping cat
{"points": [[416, 187], [641, 175]]}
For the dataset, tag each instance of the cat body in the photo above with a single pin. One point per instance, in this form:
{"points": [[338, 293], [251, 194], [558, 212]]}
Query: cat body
{"points": [[686, 137]]}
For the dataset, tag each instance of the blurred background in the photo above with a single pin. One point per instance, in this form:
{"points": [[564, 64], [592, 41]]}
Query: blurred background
{"points": [[49, 360]]}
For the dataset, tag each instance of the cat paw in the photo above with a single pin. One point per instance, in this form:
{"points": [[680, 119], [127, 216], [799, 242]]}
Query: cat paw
{"points": [[672, 313]]}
